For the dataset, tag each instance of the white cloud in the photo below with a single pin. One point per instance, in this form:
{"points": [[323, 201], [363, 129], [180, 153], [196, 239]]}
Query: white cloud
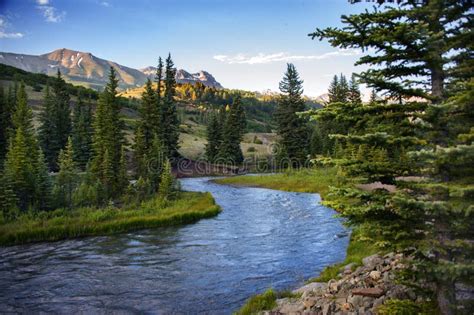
{"points": [[105, 4], [3, 30], [10, 35], [262, 58], [50, 13]]}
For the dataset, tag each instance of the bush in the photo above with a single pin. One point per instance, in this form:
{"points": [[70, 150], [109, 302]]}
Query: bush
{"points": [[251, 149]]}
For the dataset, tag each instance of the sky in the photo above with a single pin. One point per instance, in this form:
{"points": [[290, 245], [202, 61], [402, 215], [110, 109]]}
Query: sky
{"points": [[244, 44]]}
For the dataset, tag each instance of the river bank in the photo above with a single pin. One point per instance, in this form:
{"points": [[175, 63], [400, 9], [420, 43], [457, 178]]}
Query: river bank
{"points": [[65, 223]]}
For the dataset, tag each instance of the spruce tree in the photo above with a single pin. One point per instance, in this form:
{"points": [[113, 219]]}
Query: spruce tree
{"points": [[82, 133], [167, 182], [214, 138], [108, 139], [292, 129], [6, 112], [354, 91], [67, 176], [232, 134], [47, 128], [168, 114], [429, 47], [148, 114], [43, 184]]}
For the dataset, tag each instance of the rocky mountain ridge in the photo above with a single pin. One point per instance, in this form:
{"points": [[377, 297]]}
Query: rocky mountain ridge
{"points": [[86, 69]]}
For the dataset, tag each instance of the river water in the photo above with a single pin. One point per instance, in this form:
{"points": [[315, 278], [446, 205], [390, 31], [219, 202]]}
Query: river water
{"points": [[263, 238]]}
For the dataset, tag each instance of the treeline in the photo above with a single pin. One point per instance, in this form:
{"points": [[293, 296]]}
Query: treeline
{"points": [[81, 159], [410, 155], [38, 80]]}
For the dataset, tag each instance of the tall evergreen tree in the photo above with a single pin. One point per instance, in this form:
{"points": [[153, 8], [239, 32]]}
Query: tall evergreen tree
{"points": [[429, 47], [232, 134], [108, 139], [168, 114], [148, 114], [354, 91], [67, 176], [292, 129], [47, 128], [43, 184], [82, 133], [214, 138], [6, 112]]}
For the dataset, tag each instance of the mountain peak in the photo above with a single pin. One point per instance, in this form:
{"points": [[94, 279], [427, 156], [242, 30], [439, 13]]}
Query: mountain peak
{"points": [[85, 68]]}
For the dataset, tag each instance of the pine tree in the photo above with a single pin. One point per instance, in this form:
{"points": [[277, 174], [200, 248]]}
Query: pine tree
{"points": [[292, 129], [233, 131], [429, 47], [67, 176], [47, 129], [43, 184], [168, 114], [167, 184], [354, 91], [19, 169], [333, 91], [155, 159], [108, 139], [148, 114], [8, 199], [214, 138], [82, 133], [6, 112]]}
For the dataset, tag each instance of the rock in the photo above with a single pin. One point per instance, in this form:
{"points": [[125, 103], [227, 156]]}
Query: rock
{"points": [[355, 300], [367, 301], [291, 307], [375, 275], [333, 286], [372, 292], [346, 307], [348, 268], [371, 261], [311, 287], [310, 302]]}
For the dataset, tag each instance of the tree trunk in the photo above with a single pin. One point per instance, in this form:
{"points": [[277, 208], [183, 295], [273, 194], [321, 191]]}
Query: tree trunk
{"points": [[437, 83]]}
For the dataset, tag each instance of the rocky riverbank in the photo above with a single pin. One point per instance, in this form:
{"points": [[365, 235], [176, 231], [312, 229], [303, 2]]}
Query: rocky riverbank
{"points": [[360, 290]]}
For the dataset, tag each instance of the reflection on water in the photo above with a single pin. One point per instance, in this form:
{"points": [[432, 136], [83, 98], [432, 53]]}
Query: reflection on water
{"points": [[263, 238]]}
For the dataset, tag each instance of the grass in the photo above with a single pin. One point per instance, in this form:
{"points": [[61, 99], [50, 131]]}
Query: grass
{"points": [[64, 224], [315, 180], [264, 301]]}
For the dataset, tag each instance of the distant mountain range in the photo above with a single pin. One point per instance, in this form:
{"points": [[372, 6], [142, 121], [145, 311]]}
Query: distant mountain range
{"points": [[86, 69]]}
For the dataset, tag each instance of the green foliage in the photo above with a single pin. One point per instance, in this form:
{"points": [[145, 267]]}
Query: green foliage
{"points": [[6, 113], [420, 37], [169, 123], [62, 224], [214, 138], [167, 187], [82, 133], [108, 140], [258, 303], [55, 121], [67, 177], [407, 307], [291, 128], [232, 134]]}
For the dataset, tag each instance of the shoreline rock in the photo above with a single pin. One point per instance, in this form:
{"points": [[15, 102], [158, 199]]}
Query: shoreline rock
{"points": [[360, 291]]}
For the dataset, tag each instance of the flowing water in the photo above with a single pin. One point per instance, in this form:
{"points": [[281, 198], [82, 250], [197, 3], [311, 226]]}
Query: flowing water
{"points": [[263, 238]]}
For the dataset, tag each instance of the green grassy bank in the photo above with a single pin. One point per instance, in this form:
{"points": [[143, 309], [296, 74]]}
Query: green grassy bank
{"points": [[60, 224], [317, 180]]}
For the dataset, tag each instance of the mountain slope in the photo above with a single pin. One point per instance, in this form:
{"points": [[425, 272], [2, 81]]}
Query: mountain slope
{"points": [[86, 69]]}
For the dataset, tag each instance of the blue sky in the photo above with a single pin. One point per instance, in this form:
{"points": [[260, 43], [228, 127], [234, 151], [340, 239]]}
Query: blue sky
{"points": [[243, 43]]}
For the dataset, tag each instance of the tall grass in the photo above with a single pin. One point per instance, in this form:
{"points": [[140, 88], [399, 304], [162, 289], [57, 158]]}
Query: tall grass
{"points": [[314, 180], [62, 224]]}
